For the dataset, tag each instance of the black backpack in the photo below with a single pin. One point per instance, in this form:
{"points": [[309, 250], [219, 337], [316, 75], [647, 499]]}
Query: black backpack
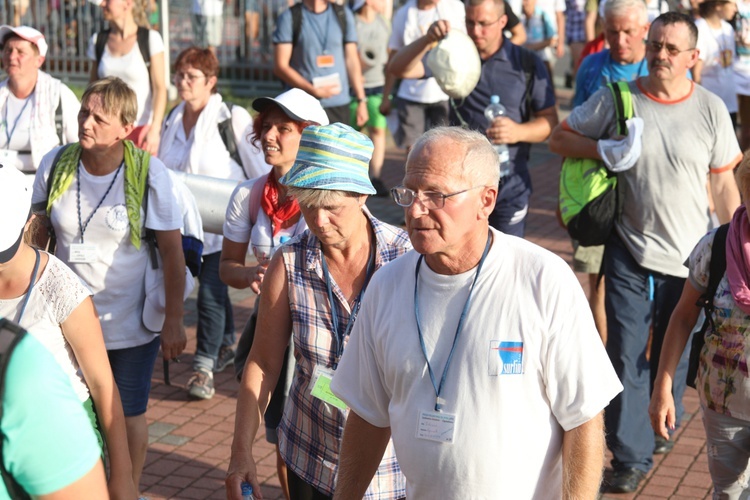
{"points": [[297, 20], [143, 35], [10, 335], [716, 269]]}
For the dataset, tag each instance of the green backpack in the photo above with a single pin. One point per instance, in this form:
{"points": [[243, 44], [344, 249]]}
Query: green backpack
{"points": [[589, 202]]}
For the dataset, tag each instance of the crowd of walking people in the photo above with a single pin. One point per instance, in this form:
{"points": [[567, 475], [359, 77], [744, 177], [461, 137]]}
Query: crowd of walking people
{"points": [[384, 362]]}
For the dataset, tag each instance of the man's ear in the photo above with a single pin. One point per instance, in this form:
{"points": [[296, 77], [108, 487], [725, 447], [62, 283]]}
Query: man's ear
{"points": [[488, 198]]}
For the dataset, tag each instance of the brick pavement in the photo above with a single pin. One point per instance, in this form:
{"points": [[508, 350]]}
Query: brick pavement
{"points": [[190, 441]]}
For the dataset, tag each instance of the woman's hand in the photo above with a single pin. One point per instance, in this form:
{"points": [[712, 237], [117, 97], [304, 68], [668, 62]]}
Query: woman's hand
{"points": [[255, 277], [662, 410], [241, 469], [151, 144]]}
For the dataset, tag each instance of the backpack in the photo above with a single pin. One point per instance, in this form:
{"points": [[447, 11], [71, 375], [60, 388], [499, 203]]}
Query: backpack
{"points": [[716, 269], [226, 132], [192, 248], [589, 201], [10, 336], [143, 36], [297, 20]]}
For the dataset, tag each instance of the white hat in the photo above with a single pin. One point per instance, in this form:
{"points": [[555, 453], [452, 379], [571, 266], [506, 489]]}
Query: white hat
{"points": [[455, 64], [27, 33], [154, 307], [297, 104], [15, 205]]}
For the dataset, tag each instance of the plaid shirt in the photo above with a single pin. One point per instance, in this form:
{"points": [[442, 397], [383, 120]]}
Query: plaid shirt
{"points": [[311, 430]]}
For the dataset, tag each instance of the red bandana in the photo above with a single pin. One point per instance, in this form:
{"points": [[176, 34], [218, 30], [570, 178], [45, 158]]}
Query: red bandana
{"points": [[270, 204]]}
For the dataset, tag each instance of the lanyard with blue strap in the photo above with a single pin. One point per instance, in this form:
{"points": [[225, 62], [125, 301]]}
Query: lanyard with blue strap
{"points": [[9, 131], [31, 287], [338, 335], [439, 402], [322, 37]]}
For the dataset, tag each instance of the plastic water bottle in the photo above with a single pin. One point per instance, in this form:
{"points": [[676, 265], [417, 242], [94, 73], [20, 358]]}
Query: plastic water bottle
{"points": [[247, 491], [495, 110]]}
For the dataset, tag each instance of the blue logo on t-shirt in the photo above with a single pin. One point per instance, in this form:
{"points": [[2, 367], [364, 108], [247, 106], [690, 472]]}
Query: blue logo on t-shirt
{"points": [[511, 357]]}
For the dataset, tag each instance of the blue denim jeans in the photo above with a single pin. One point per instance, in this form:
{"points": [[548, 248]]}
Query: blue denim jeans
{"points": [[215, 318], [728, 449], [512, 206], [637, 301]]}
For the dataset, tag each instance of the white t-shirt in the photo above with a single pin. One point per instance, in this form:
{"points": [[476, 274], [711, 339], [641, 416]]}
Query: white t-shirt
{"points": [[116, 276], [239, 228], [204, 152], [56, 294], [717, 49], [410, 24], [17, 122], [132, 69], [528, 366]]}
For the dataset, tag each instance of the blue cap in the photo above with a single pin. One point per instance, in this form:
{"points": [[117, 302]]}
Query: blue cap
{"points": [[332, 157]]}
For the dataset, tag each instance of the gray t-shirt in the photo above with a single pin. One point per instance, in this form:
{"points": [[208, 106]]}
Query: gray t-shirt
{"points": [[665, 208], [373, 49]]}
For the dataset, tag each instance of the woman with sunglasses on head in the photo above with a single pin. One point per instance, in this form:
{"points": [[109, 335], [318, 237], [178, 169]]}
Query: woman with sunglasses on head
{"points": [[192, 142], [118, 51], [311, 292]]}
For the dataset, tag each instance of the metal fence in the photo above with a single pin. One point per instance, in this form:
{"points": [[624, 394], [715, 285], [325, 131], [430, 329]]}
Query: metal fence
{"points": [[245, 57]]}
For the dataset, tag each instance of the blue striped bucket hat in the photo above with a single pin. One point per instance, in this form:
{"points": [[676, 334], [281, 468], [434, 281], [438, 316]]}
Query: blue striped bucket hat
{"points": [[332, 157]]}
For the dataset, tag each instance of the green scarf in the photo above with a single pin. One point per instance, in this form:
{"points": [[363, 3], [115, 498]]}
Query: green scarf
{"points": [[136, 182]]}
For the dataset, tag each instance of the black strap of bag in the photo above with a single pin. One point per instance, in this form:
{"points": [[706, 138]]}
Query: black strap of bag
{"points": [[716, 269], [10, 335]]}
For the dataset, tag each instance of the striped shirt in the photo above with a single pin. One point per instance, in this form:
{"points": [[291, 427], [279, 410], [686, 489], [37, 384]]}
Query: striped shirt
{"points": [[311, 430]]}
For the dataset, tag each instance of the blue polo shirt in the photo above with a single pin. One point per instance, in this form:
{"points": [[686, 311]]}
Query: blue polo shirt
{"points": [[319, 34], [502, 75], [599, 69]]}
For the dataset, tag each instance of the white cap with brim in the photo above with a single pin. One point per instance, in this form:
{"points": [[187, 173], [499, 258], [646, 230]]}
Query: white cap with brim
{"points": [[155, 305], [27, 33], [297, 104], [15, 205]]}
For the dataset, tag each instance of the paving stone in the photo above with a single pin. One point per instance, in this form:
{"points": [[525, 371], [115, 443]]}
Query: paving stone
{"points": [[159, 429], [174, 440]]}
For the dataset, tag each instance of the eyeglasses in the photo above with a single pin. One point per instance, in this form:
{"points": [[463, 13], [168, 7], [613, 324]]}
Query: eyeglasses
{"points": [[430, 200], [673, 51], [482, 25], [191, 78]]}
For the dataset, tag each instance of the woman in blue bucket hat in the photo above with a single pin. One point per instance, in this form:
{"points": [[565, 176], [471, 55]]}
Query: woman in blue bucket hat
{"points": [[313, 288]]}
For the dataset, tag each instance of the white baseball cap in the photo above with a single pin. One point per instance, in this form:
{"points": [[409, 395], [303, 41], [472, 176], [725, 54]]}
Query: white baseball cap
{"points": [[155, 305], [15, 205], [27, 33], [297, 104]]}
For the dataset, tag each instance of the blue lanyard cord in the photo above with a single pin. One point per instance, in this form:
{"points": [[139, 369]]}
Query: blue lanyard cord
{"points": [[81, 226], [31, 286], [322, 37], [438, 389], [338, 335], [9, 131]]}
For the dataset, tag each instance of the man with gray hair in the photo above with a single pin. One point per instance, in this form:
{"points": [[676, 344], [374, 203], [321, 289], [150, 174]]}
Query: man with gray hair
{"points": [[480, 341], [664, 211], [625, 29]]}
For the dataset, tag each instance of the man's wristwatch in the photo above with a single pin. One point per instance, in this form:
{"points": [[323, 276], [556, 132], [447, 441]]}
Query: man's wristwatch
{"points": [[362, 99]]}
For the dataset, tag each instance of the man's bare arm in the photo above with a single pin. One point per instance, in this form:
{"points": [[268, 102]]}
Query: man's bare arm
{"points": [[361, 452], [583, 459], [725, 193]]}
